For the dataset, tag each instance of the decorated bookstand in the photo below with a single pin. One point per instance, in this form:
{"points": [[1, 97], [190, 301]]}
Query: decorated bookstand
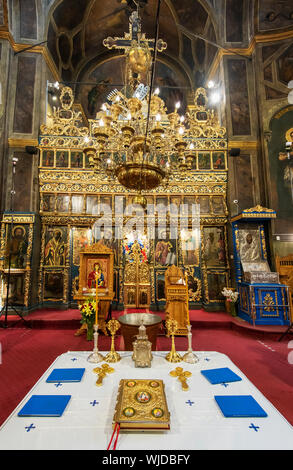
{"points": [[263, 300]]}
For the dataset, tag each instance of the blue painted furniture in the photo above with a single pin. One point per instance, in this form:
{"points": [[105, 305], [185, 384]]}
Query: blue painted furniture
{"points": [[265, 303]]}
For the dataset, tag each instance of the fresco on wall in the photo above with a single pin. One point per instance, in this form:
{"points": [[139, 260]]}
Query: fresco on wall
{"points": [[275, 14], [24, 102], [110, 75], [281, 185], [239, 98], [234, 18]]}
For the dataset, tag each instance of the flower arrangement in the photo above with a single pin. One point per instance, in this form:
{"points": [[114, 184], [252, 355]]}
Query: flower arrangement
{"points": [[88, 315], [231, 299]]}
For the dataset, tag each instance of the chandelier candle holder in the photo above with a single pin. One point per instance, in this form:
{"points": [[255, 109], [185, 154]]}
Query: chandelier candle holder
{"points": [[134, 137], [113, 356], [173, 355], [96, 356]]}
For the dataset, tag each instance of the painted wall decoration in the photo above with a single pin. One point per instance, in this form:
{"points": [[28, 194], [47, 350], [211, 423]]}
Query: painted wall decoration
{"points": [[28, 19], [239, 97], [281, 188], [23, 182], [24, 102], [274, 15], [234, 21]]}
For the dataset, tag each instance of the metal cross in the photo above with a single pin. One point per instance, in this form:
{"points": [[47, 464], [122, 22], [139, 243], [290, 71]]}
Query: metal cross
{"points": [[30, 427], [252, 426], [94, 403], [134, 34], [190, 403]]}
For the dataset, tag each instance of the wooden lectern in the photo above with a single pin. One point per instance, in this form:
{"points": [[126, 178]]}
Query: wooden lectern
{"points": [[176, 291], [97, 257]]}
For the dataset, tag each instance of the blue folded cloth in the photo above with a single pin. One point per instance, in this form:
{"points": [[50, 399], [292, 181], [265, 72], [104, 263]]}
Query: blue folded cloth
{"points": [[239, 406], [221, 375], [45, 405], [66, 375]]}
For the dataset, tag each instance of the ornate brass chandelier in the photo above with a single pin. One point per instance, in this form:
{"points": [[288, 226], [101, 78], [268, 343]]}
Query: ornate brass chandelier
{"points": [[134, 138]]}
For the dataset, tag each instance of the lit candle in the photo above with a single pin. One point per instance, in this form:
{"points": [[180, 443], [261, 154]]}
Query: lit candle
{"points": [[187, 299], [97, 299]]}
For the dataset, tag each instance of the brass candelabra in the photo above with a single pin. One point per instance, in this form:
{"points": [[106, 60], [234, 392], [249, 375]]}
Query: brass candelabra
{"points": [[173, 355], [113, 356]]}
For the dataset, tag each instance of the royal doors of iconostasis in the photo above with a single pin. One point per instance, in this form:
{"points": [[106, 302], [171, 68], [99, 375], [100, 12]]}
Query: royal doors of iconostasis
{"points": [[137, 279]]}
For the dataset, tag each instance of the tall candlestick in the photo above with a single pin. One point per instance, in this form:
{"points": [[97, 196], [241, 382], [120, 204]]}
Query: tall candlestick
{"points": [[97, 299], [190, 356], [187, 298]]}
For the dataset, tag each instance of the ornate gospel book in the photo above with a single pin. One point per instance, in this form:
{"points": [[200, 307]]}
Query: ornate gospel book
{"points": [[142, 406]]}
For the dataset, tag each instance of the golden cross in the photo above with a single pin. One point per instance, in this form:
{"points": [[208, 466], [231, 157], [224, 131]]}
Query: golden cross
{"points": [[182, 376], [102, 372]]}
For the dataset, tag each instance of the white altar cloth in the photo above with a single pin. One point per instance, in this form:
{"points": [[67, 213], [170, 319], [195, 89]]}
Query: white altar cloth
{"points": [[196, 420]]}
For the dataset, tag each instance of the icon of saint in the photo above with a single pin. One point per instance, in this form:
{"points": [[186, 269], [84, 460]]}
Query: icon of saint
{"points": [[55, 251], [16, 248], [96, 276]]}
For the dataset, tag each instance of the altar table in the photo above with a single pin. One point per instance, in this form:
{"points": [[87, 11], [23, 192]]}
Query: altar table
{"points": [[196, 420]]}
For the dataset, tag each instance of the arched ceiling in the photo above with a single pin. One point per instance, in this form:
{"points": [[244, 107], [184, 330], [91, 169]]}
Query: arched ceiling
{"points": [[76, 30]]}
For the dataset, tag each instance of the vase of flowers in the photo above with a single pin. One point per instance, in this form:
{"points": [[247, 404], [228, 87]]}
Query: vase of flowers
{"points": [[88, 315], [231, 298]]}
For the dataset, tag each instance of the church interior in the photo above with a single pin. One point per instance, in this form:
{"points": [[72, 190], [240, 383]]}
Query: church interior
{"points": [[146, 224]]}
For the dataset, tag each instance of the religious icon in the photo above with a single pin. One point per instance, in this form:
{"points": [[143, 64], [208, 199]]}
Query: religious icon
{"points": [[48, 202], [76, 160], [77, 204], [62, 204], [249, 243], [218, 161], [190, 243], [48, 158], [214, 246], [216, 284], [55, 249], [157, 412], [204, 161], [286, 163], [53, 286], [143, 397], [92, 205], [62, 159], [81, 239], [162, 201], [204, 204], [107, 238], [16, 248], [218, 205], [106, 201], [160, 288], [96, 276], [165, 250]]}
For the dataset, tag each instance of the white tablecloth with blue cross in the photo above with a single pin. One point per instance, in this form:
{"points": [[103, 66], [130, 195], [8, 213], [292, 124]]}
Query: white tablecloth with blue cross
{"points": [[196, 421]]}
